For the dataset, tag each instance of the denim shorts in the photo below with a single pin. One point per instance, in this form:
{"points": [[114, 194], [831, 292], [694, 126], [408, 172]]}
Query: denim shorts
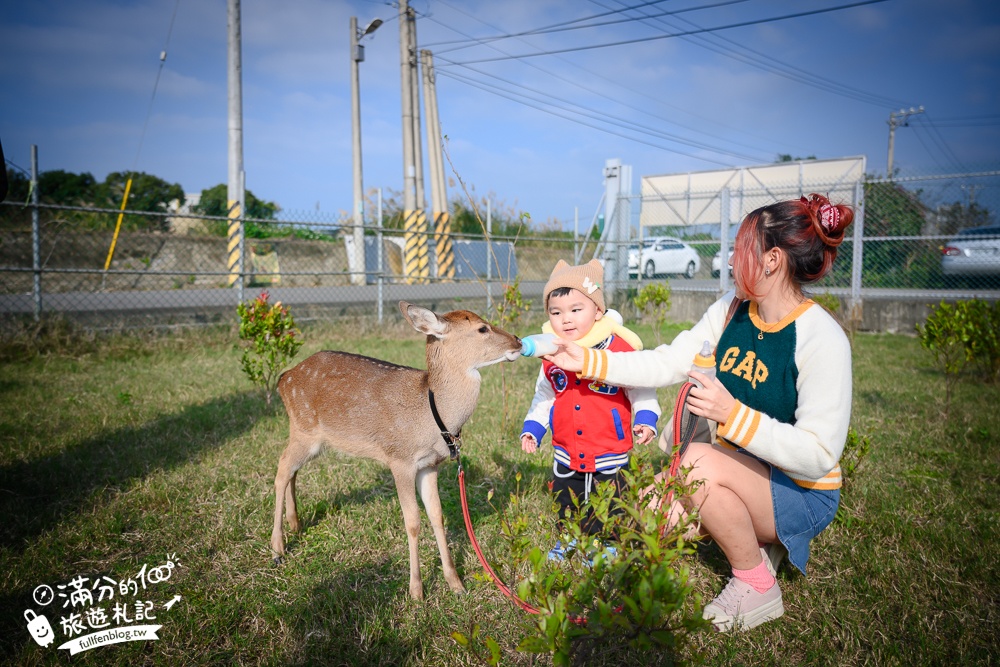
{"points": [[800, 514]]}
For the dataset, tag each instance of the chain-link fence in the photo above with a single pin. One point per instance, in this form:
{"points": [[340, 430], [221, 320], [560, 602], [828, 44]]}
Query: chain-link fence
{"points": [[160, 269]]}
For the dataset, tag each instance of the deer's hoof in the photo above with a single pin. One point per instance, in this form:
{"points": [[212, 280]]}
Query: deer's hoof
{"points": [[277, 560]]}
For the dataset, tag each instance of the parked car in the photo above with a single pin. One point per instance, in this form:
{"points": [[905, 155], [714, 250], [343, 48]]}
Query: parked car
{"points": [[973, 252], [717, 264], [663, 256]]}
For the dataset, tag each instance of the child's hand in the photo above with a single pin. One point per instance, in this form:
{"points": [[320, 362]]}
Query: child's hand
{"points": [[643, 434], [528, 443]]}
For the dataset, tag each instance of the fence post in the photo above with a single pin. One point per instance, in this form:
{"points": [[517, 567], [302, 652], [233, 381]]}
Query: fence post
{"points": [[724, 241], [36, 241], [576, 235], [243, 236], [857, 258], [378, 244], [489, 256]]}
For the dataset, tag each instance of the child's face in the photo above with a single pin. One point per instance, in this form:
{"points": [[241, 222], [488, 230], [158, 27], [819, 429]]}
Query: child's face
{"points": [[572, 315]]}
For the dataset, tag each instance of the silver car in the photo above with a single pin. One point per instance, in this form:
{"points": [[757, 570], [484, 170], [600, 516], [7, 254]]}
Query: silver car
{"points": [[664, 256], [973, 252]]}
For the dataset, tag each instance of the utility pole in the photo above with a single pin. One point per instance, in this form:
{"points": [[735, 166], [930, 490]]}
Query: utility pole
{"points": [[898, 119], [358, 55], [235, 186], [443, 252], [415, 260]]}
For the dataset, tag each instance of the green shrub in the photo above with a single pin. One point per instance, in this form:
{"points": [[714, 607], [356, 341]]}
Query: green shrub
{"points": [[653, 301], [600, 601], [962, 334], [856, 450], [983, 348], [270, 340]]}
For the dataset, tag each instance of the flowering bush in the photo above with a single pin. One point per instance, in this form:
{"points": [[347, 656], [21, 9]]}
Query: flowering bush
{"points": [[270, 340]]}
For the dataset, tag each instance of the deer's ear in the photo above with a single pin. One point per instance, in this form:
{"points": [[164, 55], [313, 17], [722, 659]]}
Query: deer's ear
{"points": [[423, 320]]}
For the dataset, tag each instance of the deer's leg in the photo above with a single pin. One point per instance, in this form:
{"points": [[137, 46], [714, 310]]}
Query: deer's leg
{"points": [[403, 474], [296, 454], [281, 483], [427, 479], [291, 508]]}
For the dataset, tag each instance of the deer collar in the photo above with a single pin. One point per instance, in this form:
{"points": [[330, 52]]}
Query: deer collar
{"points": [[454, 441]]}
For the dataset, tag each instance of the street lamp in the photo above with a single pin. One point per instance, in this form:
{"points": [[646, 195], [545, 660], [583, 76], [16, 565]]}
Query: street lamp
{"points": [[358, 55]]}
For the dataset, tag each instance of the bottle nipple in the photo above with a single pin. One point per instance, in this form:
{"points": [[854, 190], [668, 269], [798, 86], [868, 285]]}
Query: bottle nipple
{"points": [[705, 358]]}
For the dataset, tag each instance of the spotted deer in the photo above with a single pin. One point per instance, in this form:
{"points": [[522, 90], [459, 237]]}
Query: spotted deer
{"points": [[379, 410]]}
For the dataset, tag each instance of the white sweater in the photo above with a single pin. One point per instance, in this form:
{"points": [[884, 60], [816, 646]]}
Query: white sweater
{"points": [[792, 386]]}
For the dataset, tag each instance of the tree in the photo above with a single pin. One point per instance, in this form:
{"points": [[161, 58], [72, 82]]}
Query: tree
{"points": [[470, 217], [215, 201], [148, 193], [66, 188], [892, 211], [957, 216], [18, 186], [466, 218], [786, 157]]}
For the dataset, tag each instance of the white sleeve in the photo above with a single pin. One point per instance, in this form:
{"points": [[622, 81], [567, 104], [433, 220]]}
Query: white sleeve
{"points": [[540, 409], [645, 406], [669, 363]]}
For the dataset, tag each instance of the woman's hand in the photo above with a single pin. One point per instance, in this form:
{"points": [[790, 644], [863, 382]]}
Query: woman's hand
{"points": [[569, 357], [711, 399]]}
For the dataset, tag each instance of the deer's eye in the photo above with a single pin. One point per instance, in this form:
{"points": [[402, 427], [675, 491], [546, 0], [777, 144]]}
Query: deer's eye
{"points": [[484, 329]]}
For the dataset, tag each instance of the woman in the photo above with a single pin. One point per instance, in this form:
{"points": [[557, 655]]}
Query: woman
{"points": [[781, 397]]}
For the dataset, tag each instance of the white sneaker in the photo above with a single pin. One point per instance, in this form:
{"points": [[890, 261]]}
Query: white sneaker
{"points": [[773, 555], [739, 606]]}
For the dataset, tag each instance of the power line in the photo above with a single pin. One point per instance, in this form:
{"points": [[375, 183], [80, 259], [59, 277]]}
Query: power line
{"points": [[923, 122], [566, 25], [506, 35], [788, 71], [637, 40], [602, 116], [156, 83], [590, 74], [968, 121], [494, 91]]}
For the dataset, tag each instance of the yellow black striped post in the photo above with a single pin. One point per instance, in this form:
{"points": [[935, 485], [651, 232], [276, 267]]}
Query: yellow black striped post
{"points": [[442, 247], [415, 261], [235, 247]]}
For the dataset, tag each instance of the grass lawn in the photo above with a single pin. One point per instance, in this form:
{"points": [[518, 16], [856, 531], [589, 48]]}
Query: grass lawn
{"points": [[117, 454]]}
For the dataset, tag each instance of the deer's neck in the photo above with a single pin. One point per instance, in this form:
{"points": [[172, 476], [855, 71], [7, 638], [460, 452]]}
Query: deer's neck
{"points": [[456, 389]]}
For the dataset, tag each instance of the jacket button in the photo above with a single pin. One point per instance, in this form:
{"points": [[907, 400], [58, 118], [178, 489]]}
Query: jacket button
{"points": [[583, 466], [578, 382], [579, 432], [576, 407], [582, 455]]}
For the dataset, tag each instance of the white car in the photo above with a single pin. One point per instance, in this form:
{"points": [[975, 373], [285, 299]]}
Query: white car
{"points": [[663, 256], [717, 264], [973, 252]]}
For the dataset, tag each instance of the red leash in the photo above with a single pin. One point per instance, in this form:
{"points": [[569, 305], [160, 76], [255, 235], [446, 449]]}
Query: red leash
{"points": [[504, 588], [684, 424]]}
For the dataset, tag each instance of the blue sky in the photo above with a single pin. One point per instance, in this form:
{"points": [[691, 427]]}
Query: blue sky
{"points": [[78, 81]]}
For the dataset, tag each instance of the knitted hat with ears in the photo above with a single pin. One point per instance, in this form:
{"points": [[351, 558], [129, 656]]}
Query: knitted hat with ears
{"points": [[587, 278]]}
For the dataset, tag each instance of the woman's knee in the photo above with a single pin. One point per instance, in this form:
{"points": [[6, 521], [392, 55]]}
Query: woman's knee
{"points": [[703, 462]]}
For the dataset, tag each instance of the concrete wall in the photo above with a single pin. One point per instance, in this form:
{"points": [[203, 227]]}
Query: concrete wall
{"points": [[883, 314]]}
